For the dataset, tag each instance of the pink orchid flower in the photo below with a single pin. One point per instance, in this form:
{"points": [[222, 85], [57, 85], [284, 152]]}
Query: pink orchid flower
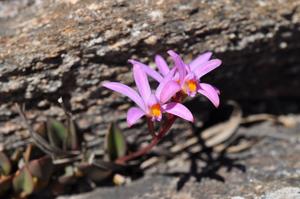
{"points": [[186, 75], [190, 74], [150, 104]]}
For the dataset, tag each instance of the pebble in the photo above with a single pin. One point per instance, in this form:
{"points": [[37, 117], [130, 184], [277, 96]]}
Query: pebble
{"points": [[152, 40]]}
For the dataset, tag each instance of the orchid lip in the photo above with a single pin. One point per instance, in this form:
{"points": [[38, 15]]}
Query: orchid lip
{"points": [[190, 85], [155, 112]]}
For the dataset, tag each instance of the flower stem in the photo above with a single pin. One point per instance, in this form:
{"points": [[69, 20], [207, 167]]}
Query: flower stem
{"points": [[154, 141], [151, 127]]}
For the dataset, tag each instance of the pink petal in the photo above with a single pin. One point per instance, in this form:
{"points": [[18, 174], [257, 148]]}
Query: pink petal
{"points": [[152, 73], [141, 82], [125, 90], [179, 64], [200, 60], [169, 90], [179, 110], [167, 78], [133, 115], [152, 100], [210, 92], [162, 65], [207, 67]]}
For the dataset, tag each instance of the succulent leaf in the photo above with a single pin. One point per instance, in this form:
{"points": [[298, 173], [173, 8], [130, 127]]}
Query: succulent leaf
{"points": [[5, 164], [72, 140], [57, 133], [115, 142], [23, 182]]}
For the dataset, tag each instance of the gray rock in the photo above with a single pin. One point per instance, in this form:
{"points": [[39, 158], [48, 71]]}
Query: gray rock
{"points": [[50, 48], [284, 193], [269, 170]]}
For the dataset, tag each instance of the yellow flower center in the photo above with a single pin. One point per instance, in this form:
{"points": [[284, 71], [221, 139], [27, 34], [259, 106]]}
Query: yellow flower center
{"points": [[155, 110], [191, 85]]}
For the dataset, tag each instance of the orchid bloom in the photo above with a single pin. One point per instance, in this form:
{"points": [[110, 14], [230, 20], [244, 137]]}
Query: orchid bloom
{"points": [[187, 75], [190, 74], [150, 104]]}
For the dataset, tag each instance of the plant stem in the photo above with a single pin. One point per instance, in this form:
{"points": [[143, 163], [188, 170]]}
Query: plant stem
{"points": [[154, 141], [151, 127]]}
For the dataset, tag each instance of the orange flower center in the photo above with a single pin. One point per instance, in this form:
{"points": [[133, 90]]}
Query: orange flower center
{"points": [[155, 110], [191, 85]]}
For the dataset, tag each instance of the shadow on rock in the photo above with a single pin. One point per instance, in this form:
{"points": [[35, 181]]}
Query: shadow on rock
{"points": [[213, 163]]}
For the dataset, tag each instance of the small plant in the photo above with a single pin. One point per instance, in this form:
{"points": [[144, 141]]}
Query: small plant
{"points": [[164, 104], [23, 175], [57, 158]]}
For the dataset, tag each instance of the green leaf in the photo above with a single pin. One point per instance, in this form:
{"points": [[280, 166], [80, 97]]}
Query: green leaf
{"points": [[5, 184], [5, 165], [57, 133], [23, 182], [72, 140], [115, 142]]}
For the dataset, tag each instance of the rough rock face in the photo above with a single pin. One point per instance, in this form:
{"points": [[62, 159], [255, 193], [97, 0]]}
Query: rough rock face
{"points": [[66, 48], [269, 170]]}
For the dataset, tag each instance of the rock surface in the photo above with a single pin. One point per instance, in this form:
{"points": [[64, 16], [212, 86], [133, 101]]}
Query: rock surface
{"points": [[52, 48], [66, 48], [290, 192], [270, 170]]}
